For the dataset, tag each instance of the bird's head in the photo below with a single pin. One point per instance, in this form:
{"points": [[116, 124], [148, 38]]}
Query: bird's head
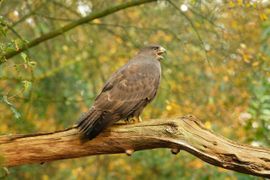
{"points": [[153, 50]]}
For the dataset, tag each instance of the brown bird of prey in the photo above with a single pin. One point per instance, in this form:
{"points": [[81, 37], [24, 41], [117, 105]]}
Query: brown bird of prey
{"points": [[126, 93]]}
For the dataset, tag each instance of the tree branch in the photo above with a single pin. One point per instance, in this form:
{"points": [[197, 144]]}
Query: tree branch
{"points": [[22, 47], [185, 133]]}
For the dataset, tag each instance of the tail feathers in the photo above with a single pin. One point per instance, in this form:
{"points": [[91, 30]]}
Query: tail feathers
{"points": [[92, 124]]}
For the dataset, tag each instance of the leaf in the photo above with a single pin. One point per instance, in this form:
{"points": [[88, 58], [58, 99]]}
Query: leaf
{"points": [[26, 85], [12, 107], [255, 105], [265, 106], [32, 64], [252, 111], [265, 98], [266, 33], [3, 31], [15, 112], [24, 56], [263, 17], [266, 112]]}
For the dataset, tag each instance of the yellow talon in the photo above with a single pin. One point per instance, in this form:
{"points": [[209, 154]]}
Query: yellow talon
{"points": [[134, 120], [137, 119]]}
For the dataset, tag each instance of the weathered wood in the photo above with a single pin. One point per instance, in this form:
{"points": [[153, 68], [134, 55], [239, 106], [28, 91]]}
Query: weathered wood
{"points": [[185, 133]]}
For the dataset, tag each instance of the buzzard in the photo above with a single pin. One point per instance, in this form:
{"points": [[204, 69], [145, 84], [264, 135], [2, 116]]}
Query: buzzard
{"points": [[126, 93]]}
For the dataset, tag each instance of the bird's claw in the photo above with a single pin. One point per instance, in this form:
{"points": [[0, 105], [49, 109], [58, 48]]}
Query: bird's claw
{"points": [[133, 120]]}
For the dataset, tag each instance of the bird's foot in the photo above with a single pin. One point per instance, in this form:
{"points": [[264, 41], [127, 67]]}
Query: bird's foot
{"points": [[138, 119], [133, 120], [129, 120]]}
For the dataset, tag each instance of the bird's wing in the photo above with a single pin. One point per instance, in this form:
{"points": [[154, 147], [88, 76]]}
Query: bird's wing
{"points": [[129, 88]]}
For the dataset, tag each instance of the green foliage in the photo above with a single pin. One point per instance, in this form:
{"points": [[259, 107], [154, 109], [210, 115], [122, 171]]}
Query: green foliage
{"points": [[265, 47], [259, 109]]}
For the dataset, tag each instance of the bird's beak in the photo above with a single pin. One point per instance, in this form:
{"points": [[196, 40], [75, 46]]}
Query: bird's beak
{"points": [[161, 51]]}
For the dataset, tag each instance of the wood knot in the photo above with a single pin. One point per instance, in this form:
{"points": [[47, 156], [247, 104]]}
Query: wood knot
{"points": [[129, 152], [169, 130], [175, 151]]}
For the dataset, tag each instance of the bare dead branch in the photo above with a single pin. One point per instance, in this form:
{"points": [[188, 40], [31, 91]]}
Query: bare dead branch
{"points": [[185, 133]]}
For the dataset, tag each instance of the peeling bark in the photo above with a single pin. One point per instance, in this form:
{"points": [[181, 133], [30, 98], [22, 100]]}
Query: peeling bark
{"points": [[185, 133]]}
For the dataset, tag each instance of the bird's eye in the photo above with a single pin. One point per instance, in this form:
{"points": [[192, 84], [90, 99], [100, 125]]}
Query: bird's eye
{"points": [[155, 48]]}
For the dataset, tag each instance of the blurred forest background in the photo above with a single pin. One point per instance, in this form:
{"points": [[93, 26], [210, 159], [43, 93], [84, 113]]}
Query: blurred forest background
{"points": [[217, 68]]}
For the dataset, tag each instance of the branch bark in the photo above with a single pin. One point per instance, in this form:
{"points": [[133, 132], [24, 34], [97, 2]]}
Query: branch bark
{"points": [[95, 15], [185, 133]]}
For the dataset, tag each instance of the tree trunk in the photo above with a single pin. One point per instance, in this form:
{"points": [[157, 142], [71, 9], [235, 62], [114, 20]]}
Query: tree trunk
{"points": [[185, 133]]}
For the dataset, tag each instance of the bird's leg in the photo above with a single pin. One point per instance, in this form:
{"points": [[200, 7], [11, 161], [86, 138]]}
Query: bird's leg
{"points": [[137, 119], [134, 119], [129, 120]]}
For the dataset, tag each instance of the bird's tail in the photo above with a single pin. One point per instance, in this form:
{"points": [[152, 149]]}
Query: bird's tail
{"points": [[92, 123]]}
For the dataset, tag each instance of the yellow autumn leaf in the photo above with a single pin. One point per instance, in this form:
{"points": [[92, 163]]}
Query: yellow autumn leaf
{"points": [[168, 107], [255, 63], [245, 57], [96, 21], [196, 163], [240, 2], [263, 17], [225, 78], [45, 177], [65, 48], [208, 124], [168, 38], [231, 4]]}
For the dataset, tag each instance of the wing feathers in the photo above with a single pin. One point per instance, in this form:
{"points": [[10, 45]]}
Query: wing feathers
{"points": [[86, 123], [125, 94]]}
